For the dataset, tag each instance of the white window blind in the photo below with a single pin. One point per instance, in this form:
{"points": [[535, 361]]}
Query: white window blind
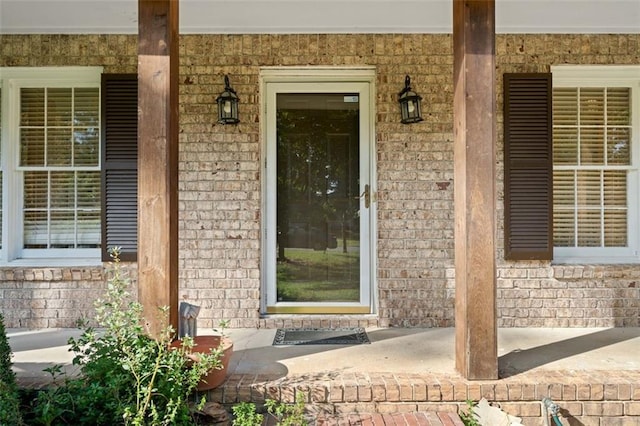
{"points": [[60, 159], [592, 134]]}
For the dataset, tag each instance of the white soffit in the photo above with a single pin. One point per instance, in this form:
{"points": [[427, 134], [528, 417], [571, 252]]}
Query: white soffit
{"points": [[318, 16]]}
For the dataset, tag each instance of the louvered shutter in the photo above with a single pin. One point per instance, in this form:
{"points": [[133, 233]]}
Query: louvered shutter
{"points": [[528, 167], [120, 165]]}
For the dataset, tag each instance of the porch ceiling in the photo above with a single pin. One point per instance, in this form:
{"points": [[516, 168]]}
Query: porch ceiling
{"points": [[318, 16]]}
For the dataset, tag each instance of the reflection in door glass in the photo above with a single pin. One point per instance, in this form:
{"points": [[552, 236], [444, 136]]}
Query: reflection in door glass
{"points": [[318, 235]]}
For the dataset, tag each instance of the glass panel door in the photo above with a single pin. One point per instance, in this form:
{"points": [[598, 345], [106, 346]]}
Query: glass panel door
{"points": [[320, 202]]}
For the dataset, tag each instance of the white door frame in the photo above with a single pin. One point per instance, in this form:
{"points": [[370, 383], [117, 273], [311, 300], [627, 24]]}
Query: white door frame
{"points": [[318, 80]]}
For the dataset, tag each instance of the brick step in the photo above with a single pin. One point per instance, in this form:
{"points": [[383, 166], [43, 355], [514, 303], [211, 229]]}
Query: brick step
{"points": [[377, 419], [335, 396], [394, 419]]}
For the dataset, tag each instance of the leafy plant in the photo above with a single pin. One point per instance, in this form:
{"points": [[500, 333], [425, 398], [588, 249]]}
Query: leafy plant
{"points": [[9, 400], [468, 417], [244, 414], [288, 414], [57, 401], [127, 376]]}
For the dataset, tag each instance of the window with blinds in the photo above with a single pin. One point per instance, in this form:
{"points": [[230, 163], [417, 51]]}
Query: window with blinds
{"points": [[59, 155], [592, 134], [1, 174]]}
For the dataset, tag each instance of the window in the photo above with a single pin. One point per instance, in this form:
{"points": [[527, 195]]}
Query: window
{"points": [[1, 169], [50, 175], [68, 165], [571, 165], [595, 163]]}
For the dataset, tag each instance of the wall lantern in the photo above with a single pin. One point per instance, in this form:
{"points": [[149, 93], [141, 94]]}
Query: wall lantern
{"points": [[409, 104], [227, 105]]}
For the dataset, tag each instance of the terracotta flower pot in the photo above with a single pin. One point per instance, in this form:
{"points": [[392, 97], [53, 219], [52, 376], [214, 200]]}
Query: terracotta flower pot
{"points": [[204, 344]]}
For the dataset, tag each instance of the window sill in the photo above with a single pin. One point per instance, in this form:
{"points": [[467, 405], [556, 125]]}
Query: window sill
{"points": [[595, 256], [52, 263], [595, 261]]}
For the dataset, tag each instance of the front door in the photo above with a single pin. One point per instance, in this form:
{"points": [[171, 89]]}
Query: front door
{"points": [[319, 197]]}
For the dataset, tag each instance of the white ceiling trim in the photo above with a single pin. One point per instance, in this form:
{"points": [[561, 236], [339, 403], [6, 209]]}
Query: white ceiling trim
{"points": [[318, 16]]}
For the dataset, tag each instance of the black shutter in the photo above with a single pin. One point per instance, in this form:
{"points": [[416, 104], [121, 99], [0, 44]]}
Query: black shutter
{"points": [[120, 165], [528, 167]]}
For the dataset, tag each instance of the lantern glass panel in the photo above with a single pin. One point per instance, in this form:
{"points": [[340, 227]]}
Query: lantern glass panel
{"points": [[227, 108], [410, 108]]}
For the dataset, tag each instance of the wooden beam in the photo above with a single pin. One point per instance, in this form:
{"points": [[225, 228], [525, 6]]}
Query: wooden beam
{"points": [[158, 160], [474, 172]]}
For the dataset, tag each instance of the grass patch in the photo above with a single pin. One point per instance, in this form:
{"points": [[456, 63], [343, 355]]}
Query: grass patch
{"points": [[319, 276]]}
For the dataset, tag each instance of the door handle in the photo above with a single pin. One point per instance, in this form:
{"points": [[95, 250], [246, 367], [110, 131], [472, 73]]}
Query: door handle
{"points": [[367, 196]]}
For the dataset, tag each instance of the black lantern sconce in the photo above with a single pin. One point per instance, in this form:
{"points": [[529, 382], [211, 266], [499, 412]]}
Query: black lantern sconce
{"points": [[409, 104], [227, 104]]}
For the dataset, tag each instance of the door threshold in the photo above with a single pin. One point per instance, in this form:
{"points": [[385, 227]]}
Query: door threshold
{"points": [[329, 310]]}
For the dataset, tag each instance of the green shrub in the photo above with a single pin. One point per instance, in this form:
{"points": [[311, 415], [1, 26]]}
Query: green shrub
{"points": [[9, 400], [468, 417], [245, 414], [288, 414], [127, 377]]}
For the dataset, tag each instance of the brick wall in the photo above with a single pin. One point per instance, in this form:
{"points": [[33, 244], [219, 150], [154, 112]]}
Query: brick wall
{"points": [[220, 181], [52, 297], [569, 296]]}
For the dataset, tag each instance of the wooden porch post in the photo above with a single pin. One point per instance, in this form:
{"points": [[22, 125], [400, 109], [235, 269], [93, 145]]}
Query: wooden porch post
{"points": [[158, 160], [474, 171]]}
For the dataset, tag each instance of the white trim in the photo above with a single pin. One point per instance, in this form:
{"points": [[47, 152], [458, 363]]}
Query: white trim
{"points": [[53, 262], [319, 80], [68, 74], [319, 16], [591, 75], [312, 74], [596, 258]]}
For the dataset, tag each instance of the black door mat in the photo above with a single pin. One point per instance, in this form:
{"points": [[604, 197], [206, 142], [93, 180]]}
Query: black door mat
{"points": [[321, 336]]}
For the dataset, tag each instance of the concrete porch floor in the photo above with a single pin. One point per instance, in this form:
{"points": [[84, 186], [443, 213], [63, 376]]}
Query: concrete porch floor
{"points": [[592, 373]]}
